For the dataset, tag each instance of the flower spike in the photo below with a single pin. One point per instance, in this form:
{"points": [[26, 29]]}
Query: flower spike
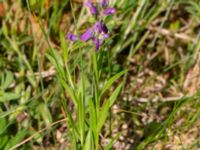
{"points": [[98, 33]]}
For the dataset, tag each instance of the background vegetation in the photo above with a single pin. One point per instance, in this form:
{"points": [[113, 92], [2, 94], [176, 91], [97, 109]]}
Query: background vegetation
{"points": [[139, 91]]}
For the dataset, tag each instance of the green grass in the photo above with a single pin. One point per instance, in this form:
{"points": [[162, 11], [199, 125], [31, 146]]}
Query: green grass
{"points": [[131, 94]]}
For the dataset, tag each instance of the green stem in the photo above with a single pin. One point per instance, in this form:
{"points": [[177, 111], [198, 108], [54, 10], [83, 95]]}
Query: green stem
{"points": [[96, 93]]}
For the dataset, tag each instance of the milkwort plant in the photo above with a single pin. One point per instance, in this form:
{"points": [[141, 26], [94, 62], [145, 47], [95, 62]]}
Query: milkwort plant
{"points": [[92, 109]]}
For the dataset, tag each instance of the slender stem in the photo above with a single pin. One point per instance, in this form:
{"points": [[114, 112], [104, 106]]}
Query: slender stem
{"points": [[96, 92]]}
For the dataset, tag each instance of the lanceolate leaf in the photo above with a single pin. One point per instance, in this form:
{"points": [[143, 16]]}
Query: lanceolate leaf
{"points": [[111, 81], [8, 80], [89, 144], [105, 108], [16, 139], [70, 91]]}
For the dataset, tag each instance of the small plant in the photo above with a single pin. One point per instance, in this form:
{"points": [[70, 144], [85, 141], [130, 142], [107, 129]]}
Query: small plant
{"points": [[89, 128]]}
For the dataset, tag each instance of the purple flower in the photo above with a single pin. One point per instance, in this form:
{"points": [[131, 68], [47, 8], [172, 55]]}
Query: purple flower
{"points": [[100, 27], [105, 36], [87, 35], [97, 43], [71, 37], [104, 3], [102, 34], [109, 11], [92, 8], [98, 32]]}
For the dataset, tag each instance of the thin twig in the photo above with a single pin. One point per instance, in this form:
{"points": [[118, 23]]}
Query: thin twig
{"points": [[166, 99], [44, 74]]}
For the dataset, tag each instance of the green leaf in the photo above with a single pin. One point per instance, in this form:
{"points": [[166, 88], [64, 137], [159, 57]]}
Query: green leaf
{"points": [[81, 119], [3, 140], [111, 81], [8, 96], [8, 80], [70, 122], [105, 108], [45, 113], [93, 119], [56, 60], [89, 144], [151, 128], [71, 92], [16, 139], [3, 125], [64, 47]]}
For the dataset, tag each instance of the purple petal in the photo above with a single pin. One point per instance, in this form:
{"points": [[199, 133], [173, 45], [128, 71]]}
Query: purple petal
{"points": [[104, 3], [105, 36], [104, 28], [87, 35], [97, 27], [100, 27], [109, 11], [97, 43], [92, 8], [71, 37]]}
